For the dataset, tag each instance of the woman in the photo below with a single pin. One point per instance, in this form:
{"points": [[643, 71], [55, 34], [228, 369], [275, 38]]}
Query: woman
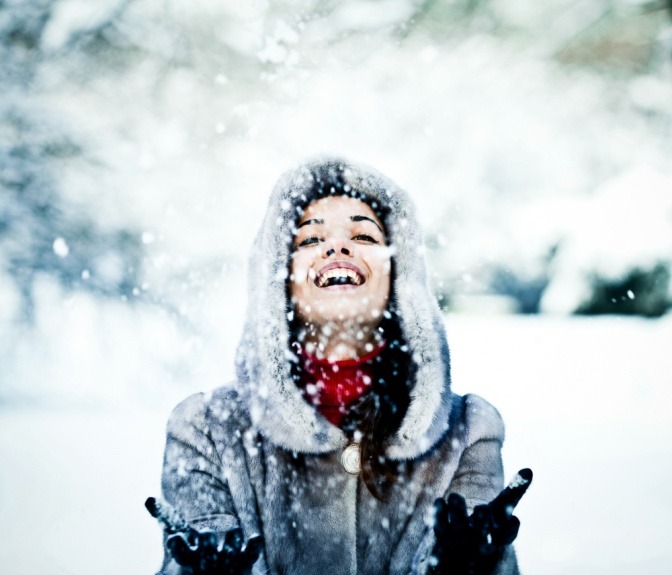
{"points": [[341, 430]]}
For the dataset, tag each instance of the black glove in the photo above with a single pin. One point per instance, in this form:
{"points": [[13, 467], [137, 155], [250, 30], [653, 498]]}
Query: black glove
{"points": [[205, 552], [473, 545]]}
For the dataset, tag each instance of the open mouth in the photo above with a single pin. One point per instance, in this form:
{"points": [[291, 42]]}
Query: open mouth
{"points": [[339, 276]]}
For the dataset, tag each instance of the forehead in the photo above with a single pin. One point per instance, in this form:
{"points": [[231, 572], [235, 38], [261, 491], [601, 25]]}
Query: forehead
{"points": [[337, 208]]}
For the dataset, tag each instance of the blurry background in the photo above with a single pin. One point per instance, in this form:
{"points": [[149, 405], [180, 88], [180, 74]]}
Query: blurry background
{"points": [[139, 142]]}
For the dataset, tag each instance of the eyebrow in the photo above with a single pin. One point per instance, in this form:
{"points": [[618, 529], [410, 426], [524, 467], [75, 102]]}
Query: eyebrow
{"points": [[368, 219], [310, 222], [356, 218]]}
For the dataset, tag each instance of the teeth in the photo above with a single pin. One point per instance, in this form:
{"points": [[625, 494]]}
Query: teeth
{"points": [[339, 273]]}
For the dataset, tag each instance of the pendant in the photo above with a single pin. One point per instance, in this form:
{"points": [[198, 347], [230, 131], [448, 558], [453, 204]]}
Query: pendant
{"points": [[351, 459]]}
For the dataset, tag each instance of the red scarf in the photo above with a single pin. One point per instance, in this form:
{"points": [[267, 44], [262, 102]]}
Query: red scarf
{"points": [[333, 386]]}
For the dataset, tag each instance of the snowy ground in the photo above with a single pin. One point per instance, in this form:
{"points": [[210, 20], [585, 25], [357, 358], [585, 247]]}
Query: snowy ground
{"points": [[586, 403]]}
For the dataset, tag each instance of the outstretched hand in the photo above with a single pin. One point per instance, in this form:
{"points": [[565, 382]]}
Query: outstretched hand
{"points": [[205, 552], [474, 544]]}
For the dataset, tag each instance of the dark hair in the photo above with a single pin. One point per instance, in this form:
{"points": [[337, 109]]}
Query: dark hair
{"points": [[328, 181], [379, 413]]}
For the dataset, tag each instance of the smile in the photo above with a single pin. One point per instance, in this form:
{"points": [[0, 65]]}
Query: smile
{"points": [[339, 274]]}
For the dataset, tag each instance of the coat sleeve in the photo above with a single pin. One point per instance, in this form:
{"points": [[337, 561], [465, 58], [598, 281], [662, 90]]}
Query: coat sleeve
{"points": [[193, 479], [479, 476]]}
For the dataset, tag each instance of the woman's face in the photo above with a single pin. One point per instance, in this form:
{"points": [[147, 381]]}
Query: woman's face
{"points": [[340, 268]]}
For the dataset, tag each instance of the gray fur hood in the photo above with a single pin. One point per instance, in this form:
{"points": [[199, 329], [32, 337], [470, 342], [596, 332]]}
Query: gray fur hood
{"points": [[276, 406]]}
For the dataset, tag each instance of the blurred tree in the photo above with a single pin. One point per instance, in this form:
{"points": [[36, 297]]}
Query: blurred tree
{"points": [[40, 231], [640, 292], [146, 68]]}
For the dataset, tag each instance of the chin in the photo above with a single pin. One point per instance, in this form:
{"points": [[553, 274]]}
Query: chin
{"points": [[346, 313], [337, 317], [339, 305]]}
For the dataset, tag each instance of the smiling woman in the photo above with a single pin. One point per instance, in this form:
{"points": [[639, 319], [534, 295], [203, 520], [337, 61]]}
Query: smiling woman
{"points": [[333, 451], [340, 276]]}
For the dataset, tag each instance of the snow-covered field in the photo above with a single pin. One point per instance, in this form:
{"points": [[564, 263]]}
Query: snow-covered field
{"points": [[139, 144], [586, 403]]}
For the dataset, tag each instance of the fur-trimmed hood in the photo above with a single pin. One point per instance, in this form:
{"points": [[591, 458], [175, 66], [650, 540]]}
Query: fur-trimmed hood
{"points": [[263, 359]]}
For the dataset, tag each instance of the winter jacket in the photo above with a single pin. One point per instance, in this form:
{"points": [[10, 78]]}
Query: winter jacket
{"points": [[255, 454]]}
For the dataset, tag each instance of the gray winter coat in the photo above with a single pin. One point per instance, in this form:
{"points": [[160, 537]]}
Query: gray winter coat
{"points": [[255, 454]]}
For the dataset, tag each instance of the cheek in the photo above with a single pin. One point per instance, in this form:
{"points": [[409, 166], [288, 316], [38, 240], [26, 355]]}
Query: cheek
{"points": [[381, 268], [382, 264], [384, 270], [385, 289], [381, 258], [298, 265], [300, 273]]}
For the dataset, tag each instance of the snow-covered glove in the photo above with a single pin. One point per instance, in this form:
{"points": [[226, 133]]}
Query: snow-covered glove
{"points": [[474, 544], [205, 552]]}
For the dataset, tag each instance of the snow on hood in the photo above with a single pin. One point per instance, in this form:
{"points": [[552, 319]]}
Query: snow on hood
{"points": [[263, 356]]}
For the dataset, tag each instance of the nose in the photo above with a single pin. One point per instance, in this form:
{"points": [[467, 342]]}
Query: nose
{"points": [[337, 245]]}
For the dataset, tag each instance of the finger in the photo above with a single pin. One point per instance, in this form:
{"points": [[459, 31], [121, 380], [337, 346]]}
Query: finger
{"points": [[504, 504], [151, 506], [252, 550], [440, 514], [481, 521], [180, 549], [506, 535], [457, 511], [166, 515], [233, 540], [210, 540]]}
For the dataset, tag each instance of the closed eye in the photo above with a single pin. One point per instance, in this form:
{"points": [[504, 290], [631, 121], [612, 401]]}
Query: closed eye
{"points": [[365, 238], [309, 241]]}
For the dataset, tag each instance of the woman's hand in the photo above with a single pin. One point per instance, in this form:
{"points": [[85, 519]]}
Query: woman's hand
{"points": [[474, 544], [205, 552], [211, 553]]}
